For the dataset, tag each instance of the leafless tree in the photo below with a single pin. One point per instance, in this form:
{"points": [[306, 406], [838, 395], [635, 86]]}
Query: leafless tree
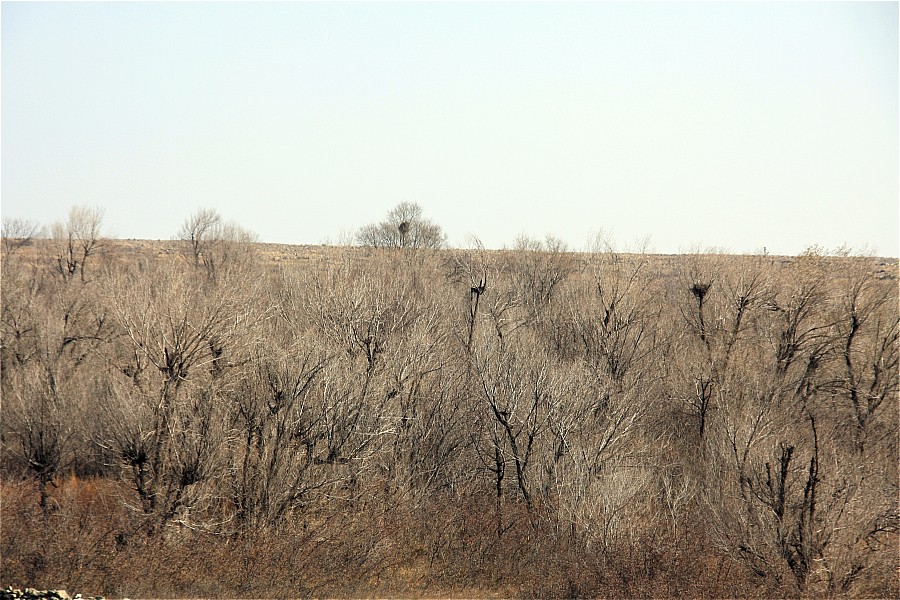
{"points": [[472, 269], [868, 337], [18, 233], [51, 335], [172, 442], [405, 227], [786, 438], [279, 426], [216, 245], [76, 240], [199, 230], [616, 326], [538, 267]]}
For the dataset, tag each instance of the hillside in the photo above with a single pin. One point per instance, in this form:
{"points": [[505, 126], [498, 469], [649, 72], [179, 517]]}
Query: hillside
{"points": [[241, 419]]}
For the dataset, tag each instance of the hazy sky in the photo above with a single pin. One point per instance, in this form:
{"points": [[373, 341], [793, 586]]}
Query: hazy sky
{"points": [[735, 125]]}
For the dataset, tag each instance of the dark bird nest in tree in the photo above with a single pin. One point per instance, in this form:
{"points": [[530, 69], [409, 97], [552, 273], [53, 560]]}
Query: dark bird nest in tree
{"points": [[699, 290]]}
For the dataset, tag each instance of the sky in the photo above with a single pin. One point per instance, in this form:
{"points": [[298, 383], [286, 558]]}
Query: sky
{"points": [[729, 126]]}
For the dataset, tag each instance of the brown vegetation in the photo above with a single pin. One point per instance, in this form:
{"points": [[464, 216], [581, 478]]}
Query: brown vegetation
{"points": [[217, 417]]}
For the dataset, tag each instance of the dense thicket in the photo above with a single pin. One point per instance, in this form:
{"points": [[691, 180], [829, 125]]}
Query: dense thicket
{"points": [[405, 421]]}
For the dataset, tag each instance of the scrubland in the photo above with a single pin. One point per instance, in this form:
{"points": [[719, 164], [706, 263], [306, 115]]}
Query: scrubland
{"points": [[246, 420]]}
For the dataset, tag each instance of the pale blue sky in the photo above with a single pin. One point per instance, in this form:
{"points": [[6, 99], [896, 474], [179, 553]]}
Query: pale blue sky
{"points": [[736, 125]]}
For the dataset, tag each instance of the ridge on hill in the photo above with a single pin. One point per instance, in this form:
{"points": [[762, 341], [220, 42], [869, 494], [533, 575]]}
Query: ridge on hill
{"points": [[313, 254]]}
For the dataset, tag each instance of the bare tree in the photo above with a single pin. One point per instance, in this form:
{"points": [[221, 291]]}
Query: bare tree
{"points": [[795, 493], [279, 426], [518, 391], [868, 337], [41, 421], [216, 245], [173, 440], [615, 326], [51, 336], [199, 230], [405, 227], [18, 233], [76, 240], [471, 268], [538, 268]]}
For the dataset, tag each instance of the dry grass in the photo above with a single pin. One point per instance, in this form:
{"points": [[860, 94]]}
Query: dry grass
{"points": [[91, 544], [314, 256]]}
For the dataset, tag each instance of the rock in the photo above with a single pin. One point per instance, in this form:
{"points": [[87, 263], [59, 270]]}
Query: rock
{"points": [[10, 593]]}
